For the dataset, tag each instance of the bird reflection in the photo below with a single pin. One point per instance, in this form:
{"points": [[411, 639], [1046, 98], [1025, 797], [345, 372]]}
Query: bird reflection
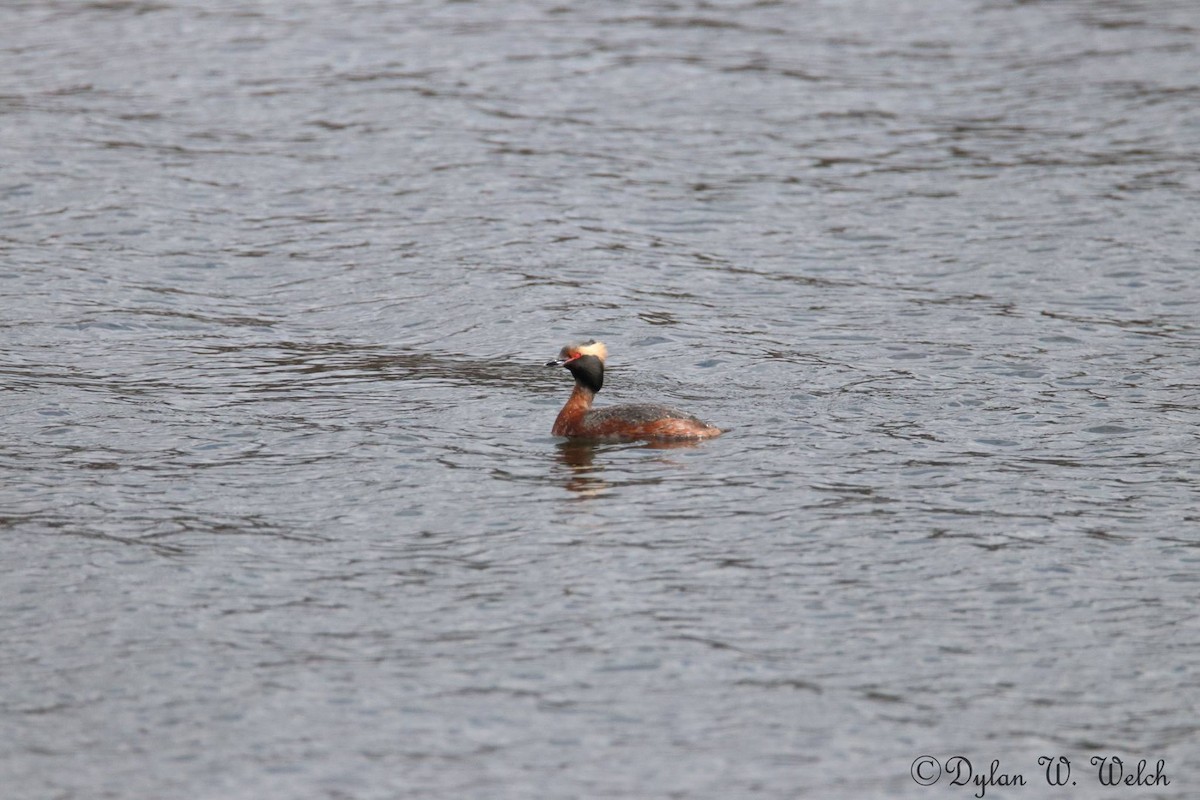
{"points": [[584, 476]]}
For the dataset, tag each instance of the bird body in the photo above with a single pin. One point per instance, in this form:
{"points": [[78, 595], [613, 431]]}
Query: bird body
{"points": [[636, 421]]}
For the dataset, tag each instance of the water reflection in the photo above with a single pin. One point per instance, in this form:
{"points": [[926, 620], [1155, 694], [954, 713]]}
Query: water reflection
{"points": [[583, 475]]}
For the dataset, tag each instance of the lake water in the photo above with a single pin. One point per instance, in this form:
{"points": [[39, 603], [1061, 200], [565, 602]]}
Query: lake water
{"points": [[280, 512]]}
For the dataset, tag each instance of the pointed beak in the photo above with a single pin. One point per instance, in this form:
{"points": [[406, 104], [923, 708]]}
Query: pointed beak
{"points": [[558, 362]]}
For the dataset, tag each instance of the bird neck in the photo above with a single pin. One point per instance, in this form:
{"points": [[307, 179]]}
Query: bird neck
{"points": [[577, 405]]}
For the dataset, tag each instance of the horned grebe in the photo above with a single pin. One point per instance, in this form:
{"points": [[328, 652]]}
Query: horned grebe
{"points": [[649, 421]]}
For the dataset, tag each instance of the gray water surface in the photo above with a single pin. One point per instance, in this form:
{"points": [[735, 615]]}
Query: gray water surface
{"points": [[280, 512]]}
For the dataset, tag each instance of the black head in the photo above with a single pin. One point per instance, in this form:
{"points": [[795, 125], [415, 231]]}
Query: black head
{"points": [[585, 360]]}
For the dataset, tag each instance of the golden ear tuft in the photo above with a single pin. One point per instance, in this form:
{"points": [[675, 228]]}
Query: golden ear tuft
{"points": [[593, 348]]}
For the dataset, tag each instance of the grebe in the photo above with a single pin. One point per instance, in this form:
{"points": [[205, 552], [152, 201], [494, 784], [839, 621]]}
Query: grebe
{"points": [[578, 419]]}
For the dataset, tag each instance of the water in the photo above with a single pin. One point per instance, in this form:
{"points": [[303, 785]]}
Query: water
{"points": [[280, 511]]}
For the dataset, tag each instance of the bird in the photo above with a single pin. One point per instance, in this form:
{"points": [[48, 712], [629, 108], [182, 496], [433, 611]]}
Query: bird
{"points": [[633, 422]]}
